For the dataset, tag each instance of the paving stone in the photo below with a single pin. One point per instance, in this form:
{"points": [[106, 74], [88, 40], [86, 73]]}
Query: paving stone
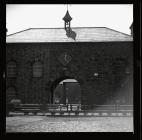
{"points": [[69, 124]]}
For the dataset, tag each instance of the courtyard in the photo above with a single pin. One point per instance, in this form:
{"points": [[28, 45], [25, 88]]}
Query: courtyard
{"points": [[68, 124]]}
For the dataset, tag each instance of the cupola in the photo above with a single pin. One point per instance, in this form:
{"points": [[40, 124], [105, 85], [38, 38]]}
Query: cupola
{"points": [[67, 19]]}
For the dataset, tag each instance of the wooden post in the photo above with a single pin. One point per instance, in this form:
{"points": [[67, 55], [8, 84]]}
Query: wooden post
{"points": [[64, 93]]}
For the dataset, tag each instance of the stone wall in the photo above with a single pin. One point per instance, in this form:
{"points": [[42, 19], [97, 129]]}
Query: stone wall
{"points": [[103, 70]]}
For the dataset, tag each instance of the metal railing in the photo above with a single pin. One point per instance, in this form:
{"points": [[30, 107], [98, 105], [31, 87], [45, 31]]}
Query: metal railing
{"points": [[61, 108]]}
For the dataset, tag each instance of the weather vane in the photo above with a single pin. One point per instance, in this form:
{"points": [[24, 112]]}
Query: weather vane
{"points": [[68, 5]]}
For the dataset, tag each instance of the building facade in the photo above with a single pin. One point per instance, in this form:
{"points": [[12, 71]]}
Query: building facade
{"points": [[102, 68], [99, 58]]}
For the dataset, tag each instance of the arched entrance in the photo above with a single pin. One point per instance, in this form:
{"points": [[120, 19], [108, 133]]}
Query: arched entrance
{"points": [[66, 90]]}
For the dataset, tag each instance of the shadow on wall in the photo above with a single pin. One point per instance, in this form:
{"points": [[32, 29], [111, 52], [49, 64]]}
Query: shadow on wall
{"points": [[71, 34], [124, 94]]}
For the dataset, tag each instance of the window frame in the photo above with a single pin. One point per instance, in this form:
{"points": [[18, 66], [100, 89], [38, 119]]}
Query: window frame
{"points": [[35, 63], [14, 72]]}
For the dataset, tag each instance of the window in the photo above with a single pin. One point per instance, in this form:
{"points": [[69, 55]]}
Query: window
{"points": [[11, 69], [37, 69], [10, 93]]}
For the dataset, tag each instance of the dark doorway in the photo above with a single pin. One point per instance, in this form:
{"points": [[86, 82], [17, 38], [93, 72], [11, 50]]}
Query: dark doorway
{"points": [[67, 92]]}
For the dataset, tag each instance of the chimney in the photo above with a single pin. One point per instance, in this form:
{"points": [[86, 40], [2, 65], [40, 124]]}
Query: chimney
{"points": [[131, 28]]}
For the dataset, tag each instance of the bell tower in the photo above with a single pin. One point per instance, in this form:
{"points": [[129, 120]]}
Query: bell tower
{"points": [[67, 20]]}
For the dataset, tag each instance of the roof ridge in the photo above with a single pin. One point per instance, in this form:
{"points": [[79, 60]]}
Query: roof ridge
{"points": [[49, 28], [63, 27], [86, 33]]}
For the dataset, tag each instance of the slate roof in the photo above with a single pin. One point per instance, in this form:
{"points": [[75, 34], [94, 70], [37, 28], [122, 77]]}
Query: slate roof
{"points": [[83, 34]]}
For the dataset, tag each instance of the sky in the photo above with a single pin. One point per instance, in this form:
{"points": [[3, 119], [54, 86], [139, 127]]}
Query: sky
{"points": [[23, 16]]}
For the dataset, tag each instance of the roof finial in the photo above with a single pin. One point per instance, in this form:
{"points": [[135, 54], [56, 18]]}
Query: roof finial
{"points": [[67, 19], [68, 6]]}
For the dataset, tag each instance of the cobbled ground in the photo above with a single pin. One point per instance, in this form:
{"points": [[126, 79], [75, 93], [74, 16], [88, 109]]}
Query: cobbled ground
{"points": [[68, 124]]}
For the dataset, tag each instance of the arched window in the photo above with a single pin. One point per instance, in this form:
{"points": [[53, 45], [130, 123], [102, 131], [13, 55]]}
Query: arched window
{"points": [[10, 93], [11, 69], [37, 69]]}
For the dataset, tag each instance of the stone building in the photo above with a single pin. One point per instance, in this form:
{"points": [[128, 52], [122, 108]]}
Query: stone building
{"points": [[99, 58]]}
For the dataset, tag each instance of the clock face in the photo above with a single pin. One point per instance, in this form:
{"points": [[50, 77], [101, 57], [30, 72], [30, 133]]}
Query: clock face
{"points": [[65, 58]]}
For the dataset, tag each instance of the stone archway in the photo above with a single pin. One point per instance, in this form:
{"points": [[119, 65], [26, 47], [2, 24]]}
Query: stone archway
{"points": [[65, 90]]}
